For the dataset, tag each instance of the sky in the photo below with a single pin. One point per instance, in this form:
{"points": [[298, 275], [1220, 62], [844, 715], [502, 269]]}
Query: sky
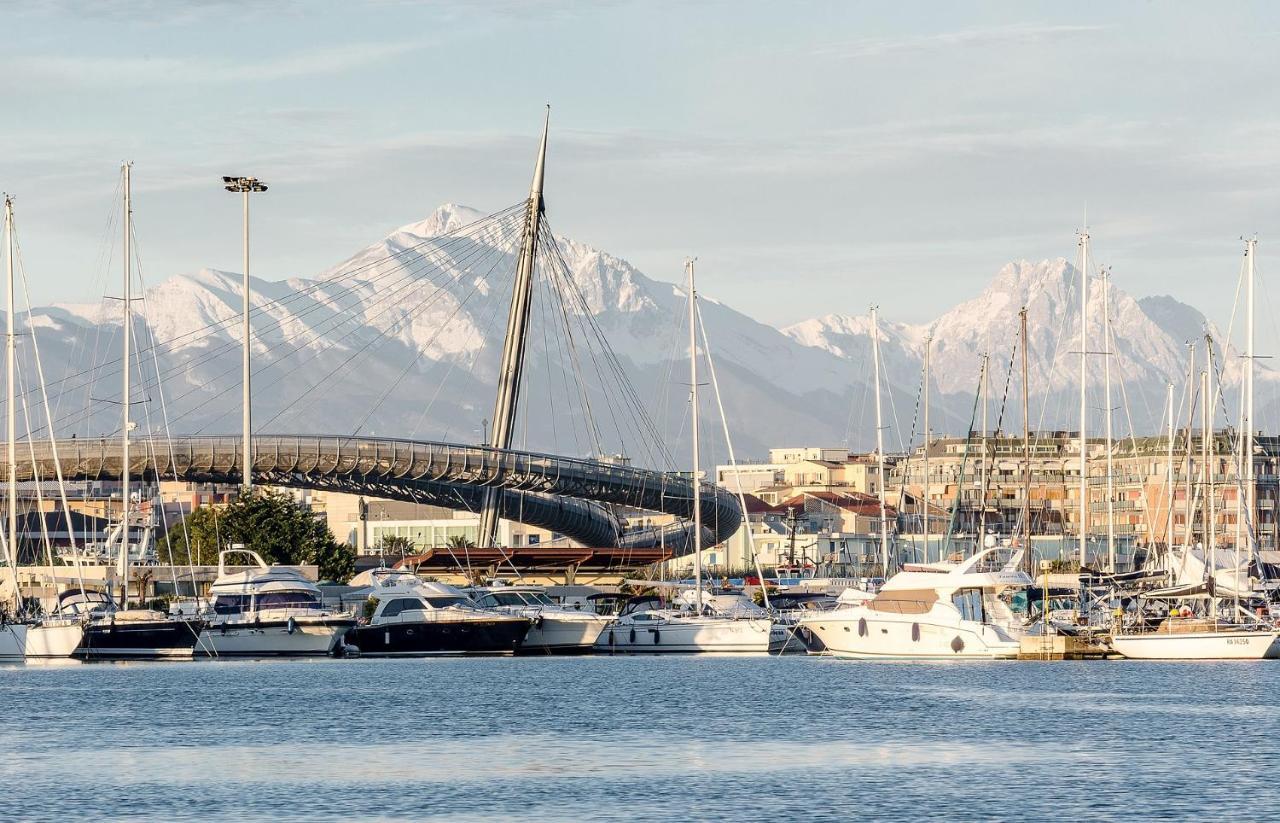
{"points": [[815, 157]]}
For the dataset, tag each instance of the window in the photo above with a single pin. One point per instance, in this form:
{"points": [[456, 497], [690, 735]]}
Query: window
{"points": [[231, 603], [969, 603], [288, 600], [401, 604], [445, 602]]}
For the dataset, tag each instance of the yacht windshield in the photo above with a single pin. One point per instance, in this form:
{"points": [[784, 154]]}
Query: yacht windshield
{"points": [[289, 600], [446, 602], [503, 599]]}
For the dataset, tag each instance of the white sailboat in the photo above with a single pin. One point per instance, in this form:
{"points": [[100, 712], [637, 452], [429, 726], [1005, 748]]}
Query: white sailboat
{"points": [[1192, 627], [692, 623], [53, 636]]}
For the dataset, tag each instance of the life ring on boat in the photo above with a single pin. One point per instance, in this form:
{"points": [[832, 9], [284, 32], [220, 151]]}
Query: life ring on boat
{"points": [[291, 626]]}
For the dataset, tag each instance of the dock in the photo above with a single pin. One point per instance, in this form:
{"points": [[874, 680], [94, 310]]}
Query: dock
{"points": [[1061, 647]]}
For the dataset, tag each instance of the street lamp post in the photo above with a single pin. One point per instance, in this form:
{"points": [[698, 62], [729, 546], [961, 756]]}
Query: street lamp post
{"points": [[246, 186]]}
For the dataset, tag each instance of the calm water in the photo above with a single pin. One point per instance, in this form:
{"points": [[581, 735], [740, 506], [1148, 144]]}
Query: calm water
{"points": [[638, 739]]}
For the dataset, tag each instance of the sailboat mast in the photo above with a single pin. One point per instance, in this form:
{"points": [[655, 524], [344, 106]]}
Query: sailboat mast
{"points": [[1106, 370], [1204, 457], [1084, 406], [928, 344], [1250, 483], [693, 402], [125, 392], [12, 516], [1169, 477], [884, 517], [982, 467], [1188, 532], [1026, 451], [1211, 450]]}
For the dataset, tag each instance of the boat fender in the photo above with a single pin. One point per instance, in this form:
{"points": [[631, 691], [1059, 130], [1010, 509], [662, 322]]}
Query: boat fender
{"points": [[633, 635], [291, 626], [612, 642], [862, 627], [915, 632], [537, 623], [957, 645], [657, 635]]}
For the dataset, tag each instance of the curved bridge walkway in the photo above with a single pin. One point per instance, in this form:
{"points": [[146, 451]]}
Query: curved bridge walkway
{"points": [[577, 498]]}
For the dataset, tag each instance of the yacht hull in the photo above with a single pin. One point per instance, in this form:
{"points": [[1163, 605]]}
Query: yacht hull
{"points": [[13, 641], [143, 639], [439, 637], [554, 635], [869, 635], [692, 636], [278, 638], [54, 639], [1208, 645]]}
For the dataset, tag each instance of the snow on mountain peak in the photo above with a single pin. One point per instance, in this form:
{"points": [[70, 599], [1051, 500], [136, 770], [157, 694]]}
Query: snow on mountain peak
{"points": [[447, 218]]}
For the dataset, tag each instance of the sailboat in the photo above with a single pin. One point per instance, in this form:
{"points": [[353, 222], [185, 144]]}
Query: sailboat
{"points": [[114, 631], [53, 636], [1191, 626], [692, 622]]}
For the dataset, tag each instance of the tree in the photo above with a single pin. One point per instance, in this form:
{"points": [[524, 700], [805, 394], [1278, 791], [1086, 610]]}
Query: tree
{"points": [[269, 523], [459, 541], [394, 545]]}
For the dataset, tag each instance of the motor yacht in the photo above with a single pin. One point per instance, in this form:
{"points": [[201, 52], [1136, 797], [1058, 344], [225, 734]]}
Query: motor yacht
{"points": [[946, 610], [553, 629], [726, 625], [111, 633], [269, 611], [410, 617]]}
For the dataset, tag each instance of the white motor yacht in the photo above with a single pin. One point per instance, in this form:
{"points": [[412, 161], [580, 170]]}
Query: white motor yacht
{"points": [[554, 629], [940, 610], [647, 625], [412, 617], [269, 611]]}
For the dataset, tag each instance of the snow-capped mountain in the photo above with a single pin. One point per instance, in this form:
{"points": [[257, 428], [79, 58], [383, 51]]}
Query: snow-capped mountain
{"points": [[403, 339], [1148, 347]]}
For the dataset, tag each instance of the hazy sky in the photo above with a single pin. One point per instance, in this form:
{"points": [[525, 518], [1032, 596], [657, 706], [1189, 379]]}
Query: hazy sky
{"points": [[815, 156]]}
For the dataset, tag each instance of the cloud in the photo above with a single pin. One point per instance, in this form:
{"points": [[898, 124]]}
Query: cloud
{"points": [[1017, 33], [97, 72]]}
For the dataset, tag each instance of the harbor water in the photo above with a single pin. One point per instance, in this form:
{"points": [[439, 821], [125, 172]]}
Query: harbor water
{"points": [[601, 738]]}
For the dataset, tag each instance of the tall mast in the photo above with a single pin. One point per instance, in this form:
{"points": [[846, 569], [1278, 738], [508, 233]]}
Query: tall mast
{"points": [[884, 516], [513, 347], [1211, 453], [125, 393], [982, 467], [1188, 532], [693, 402], [928, 344], [11, 549], [1206, 506], [1169, 477], [1250, 483], [1084, 406], [1106, 370], [1026, 452]]}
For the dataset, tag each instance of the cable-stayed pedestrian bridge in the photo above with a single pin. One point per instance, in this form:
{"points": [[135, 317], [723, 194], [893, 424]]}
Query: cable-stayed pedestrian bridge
{"points": [[581, 499]]}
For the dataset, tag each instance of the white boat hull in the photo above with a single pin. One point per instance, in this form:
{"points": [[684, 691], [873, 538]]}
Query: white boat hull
{"points": [[268, 640], [555, 635], [54, 639], [866, 634], [691, 636], [1208, 645], [13, 641]]}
